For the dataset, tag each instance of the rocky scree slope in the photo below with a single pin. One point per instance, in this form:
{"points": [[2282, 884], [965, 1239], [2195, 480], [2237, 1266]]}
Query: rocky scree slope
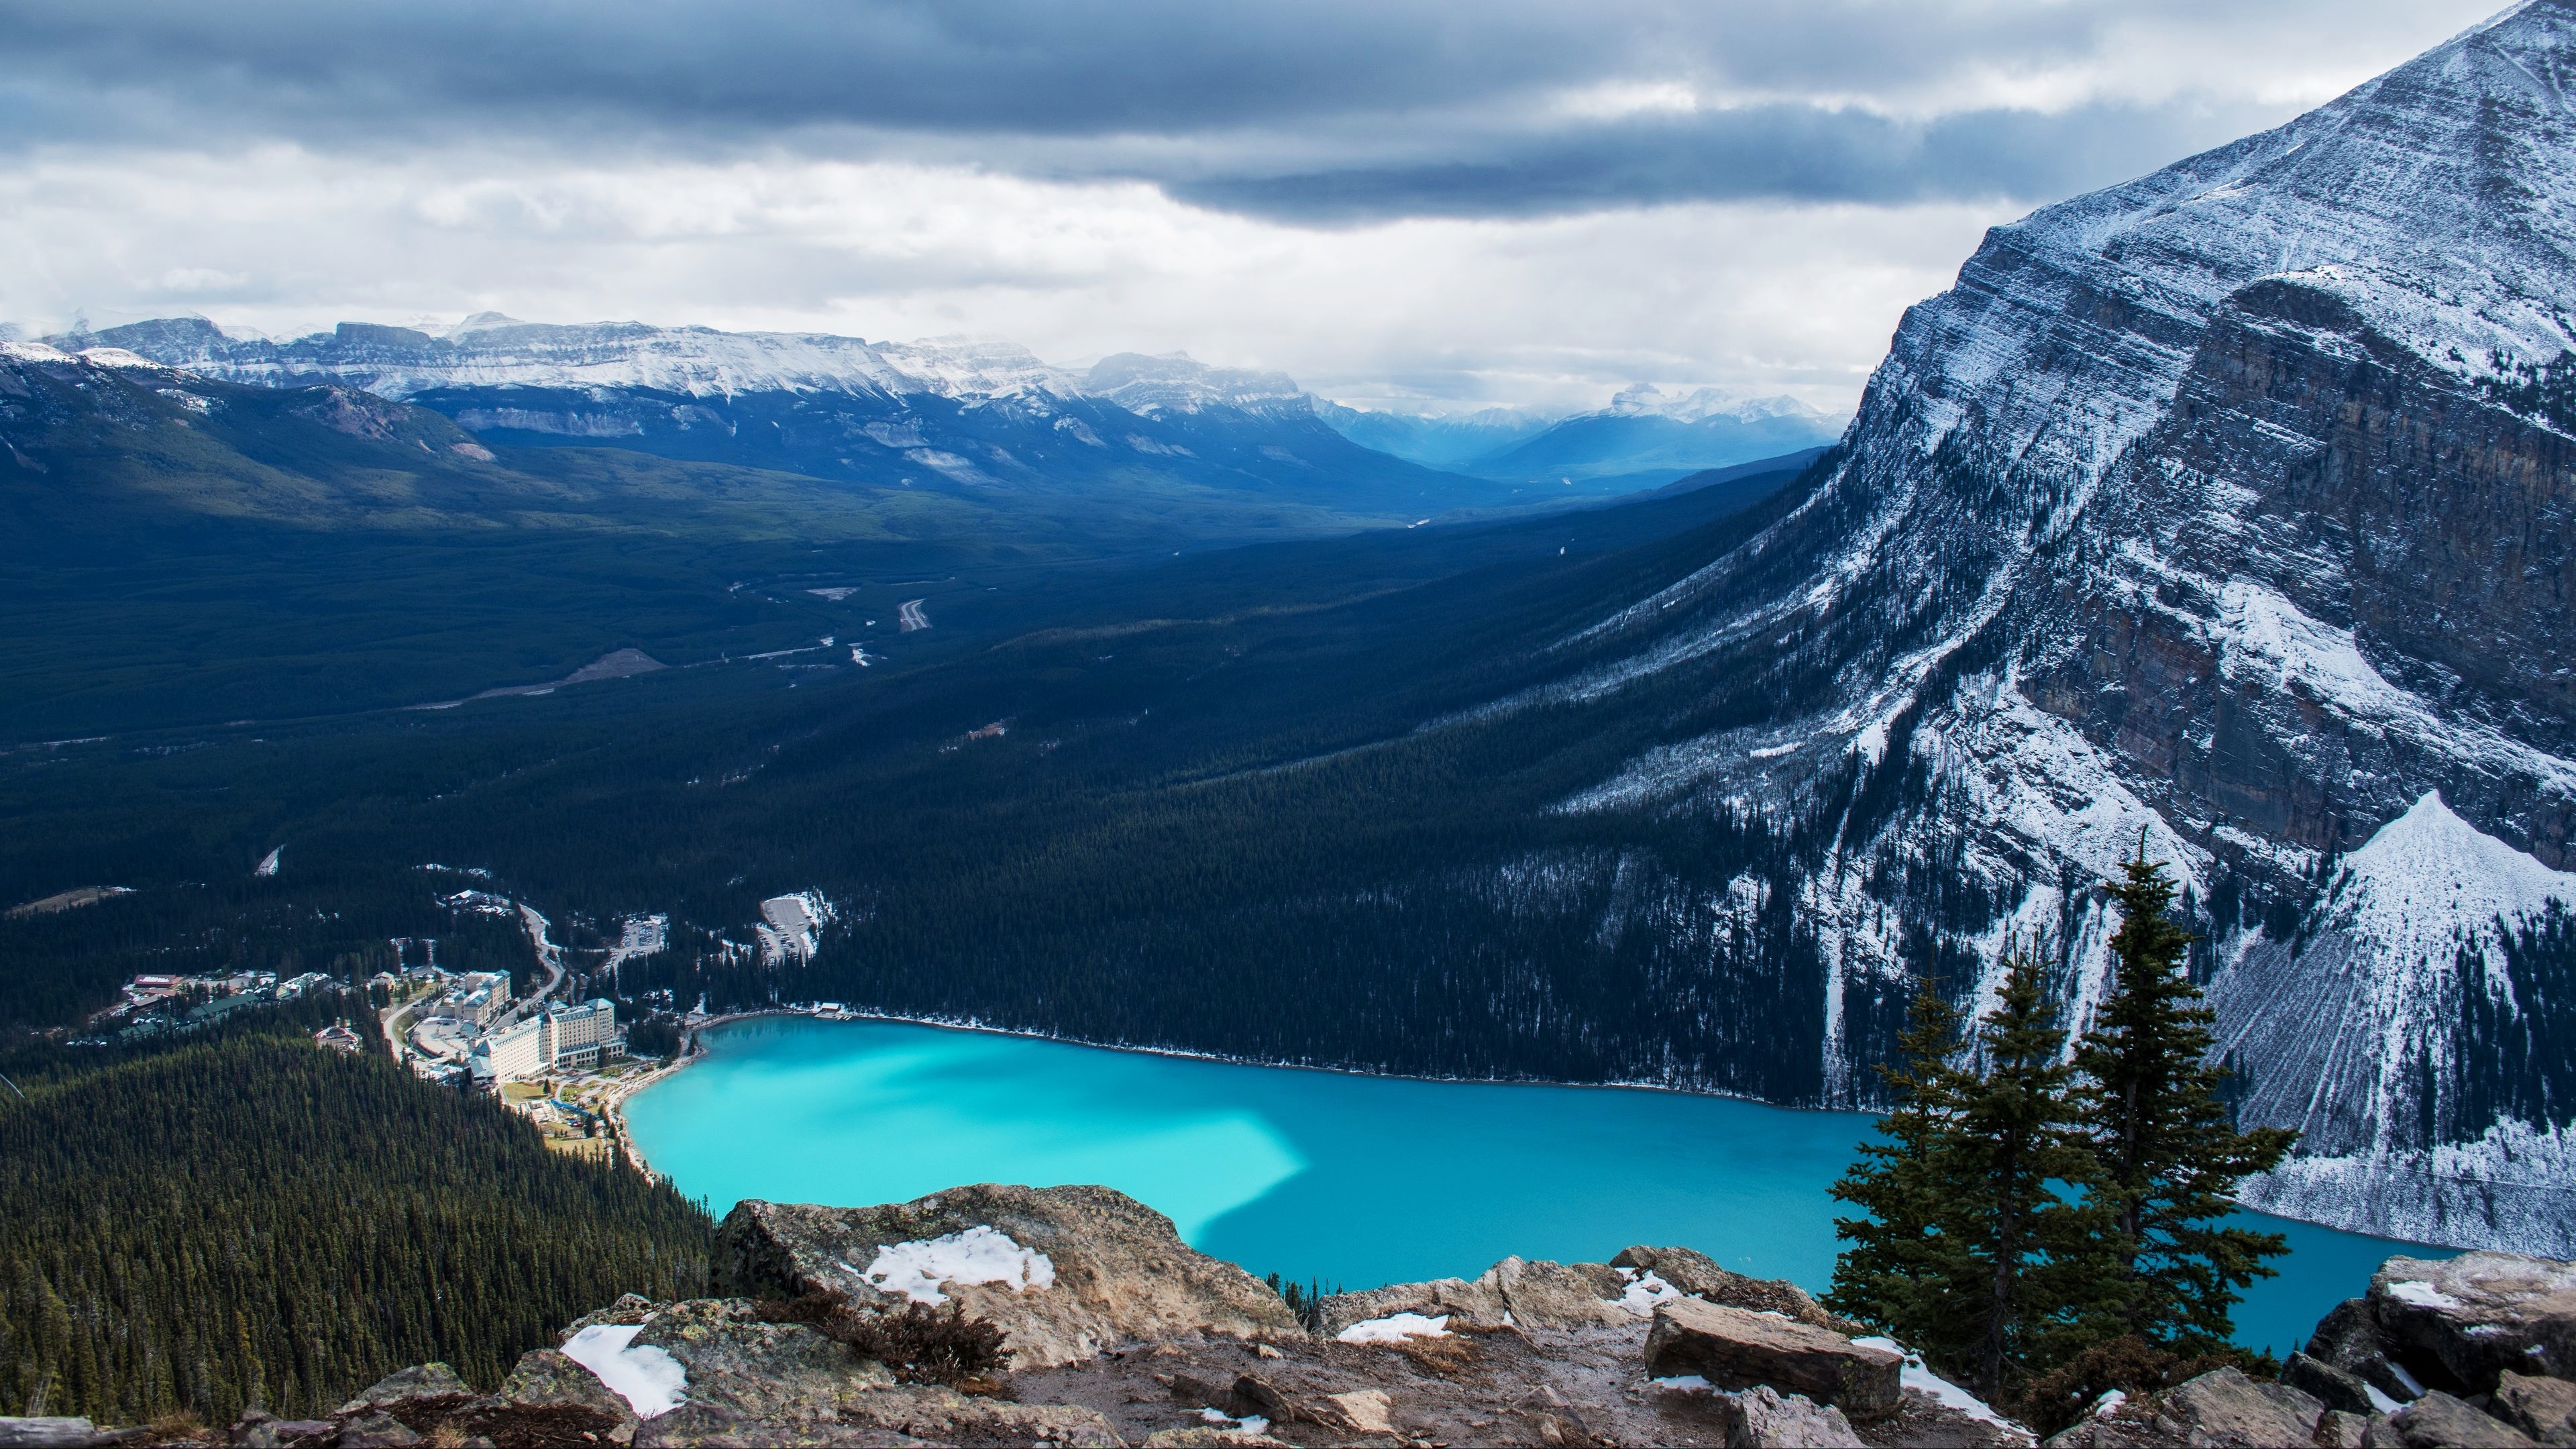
{"points": [[1106, 1331], [2227, 512]]}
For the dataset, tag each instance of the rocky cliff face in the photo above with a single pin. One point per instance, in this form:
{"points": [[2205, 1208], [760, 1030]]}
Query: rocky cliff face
{"points": [[2204, 511]]}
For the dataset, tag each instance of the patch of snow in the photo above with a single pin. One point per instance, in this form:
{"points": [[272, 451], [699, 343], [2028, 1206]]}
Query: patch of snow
{"points": [[1395, 1328], [978, 1255], [268, 863], [2260, 632], [1645, 1292], [2109, 1404], [116, 357], [835, 595], [2380, 1401], [2423, 1295], [1684, 1384], [2333, 1035], [32, 352], [647, 1378], [1923, 1381]]}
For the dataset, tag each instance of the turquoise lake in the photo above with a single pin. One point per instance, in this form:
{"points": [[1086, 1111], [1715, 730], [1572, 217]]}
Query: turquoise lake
{"points": [[1349, 1180]]}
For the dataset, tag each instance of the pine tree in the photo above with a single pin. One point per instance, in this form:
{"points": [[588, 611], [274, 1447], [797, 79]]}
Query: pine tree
{"points": [[1902, 1273], [2017, 1148], [2171, 1153]]}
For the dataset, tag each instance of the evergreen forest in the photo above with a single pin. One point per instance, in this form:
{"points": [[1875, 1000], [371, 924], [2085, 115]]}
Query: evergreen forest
{"points": [[243, 1218]]}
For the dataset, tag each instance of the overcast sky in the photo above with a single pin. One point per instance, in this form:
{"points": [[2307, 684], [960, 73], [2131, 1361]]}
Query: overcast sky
{"points": [[1401, 203]]}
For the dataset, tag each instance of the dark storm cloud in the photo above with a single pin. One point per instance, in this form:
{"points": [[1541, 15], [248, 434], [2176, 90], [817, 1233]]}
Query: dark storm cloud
{"points": [[1317, 111], [1783, 152]]}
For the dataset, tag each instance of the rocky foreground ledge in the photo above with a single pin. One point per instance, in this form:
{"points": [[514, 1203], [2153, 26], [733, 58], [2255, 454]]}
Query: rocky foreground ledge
{"points": [[1075, 1316]]}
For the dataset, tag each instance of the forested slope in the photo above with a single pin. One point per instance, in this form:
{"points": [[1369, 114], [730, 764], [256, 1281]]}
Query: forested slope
{"points": [[256, 1220]]}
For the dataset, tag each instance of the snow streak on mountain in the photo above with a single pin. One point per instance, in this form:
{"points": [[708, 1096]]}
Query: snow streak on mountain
{"points": [[2231, 511]]}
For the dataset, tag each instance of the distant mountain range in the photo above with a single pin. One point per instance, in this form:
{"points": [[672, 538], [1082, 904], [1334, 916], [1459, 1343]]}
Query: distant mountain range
{"points": [[1644, 438], [958, 414], [982, 412]]}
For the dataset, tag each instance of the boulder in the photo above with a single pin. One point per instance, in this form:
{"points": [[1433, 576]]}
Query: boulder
{"points": [[2459, 1324], [376, 1429], [2338, 1429], [1698, 1275], [2336, 1388], [1112, 1270], [2219, 1410], [630, 1308], [779, 1374], [2439, 1421], [1546, 1295], [43, 1432], [1466, 1305], [1761, 1417], [1514, 1293], [2347, 1334], [944, 1416], [1734, 1348], [1208, 1436], [1361, 1411], [2226, 1407], [546, 1380], [433, 1387], [271, 1433], [2543, 1409]]}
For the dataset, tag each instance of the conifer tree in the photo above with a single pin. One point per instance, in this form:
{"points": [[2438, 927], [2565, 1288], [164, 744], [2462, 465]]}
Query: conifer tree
{"points": [[1902, 1272], [2019, 1189], [2171, 1152]]}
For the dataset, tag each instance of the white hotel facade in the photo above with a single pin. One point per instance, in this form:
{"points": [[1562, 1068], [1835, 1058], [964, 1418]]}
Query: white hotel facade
{"points": [[556, 1038]]}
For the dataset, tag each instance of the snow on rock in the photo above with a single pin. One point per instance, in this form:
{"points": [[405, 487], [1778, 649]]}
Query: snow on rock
{"points": [[2428, 878], [2261, 633], [977, 1255], [2422, 1295], [1921, 1380], [269, 862], [2507, 1190], [1395, 1328], [647, 1378], [1645, 1290], [2342, 1033]]}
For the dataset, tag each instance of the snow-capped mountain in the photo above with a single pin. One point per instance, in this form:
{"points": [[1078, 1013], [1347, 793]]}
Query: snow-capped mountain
{"points": [[1436, 440], [950, 412], [2231, 511], [1660, 437], [1645, 400], [489, 350]]}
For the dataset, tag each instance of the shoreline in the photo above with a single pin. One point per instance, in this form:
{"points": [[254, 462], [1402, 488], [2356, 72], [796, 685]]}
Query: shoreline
{"points": [[691, 1052]]}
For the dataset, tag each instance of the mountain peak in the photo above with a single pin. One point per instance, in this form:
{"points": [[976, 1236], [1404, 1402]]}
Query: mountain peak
{"points": [[1644, 399], [1175, 380]]}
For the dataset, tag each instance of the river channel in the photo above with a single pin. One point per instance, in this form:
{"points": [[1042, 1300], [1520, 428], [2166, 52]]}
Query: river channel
{"points": [[1336, 1178]]}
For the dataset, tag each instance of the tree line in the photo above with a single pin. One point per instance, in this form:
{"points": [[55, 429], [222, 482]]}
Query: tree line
{"points": [[2047, 1224]]}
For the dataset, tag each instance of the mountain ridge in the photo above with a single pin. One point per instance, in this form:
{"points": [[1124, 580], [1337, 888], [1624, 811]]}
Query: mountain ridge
{"points": [[2188, 517]]}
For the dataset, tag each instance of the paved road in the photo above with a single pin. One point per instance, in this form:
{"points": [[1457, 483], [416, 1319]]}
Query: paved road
{"points": [[908, 616]]}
